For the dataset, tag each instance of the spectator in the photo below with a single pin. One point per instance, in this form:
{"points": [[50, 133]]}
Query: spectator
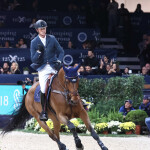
{"points": [[107, 71], [104, 61], [35, 5], [85, 45], [92, 61], [148, 68], [88, 70], [5, 69], [81, 70], [33, 23], [127, 107], [21, 43], [145, 105], [115, 70], [7, 44], [112, 17], [1, 70], [126, 71], [15, 68], [144, 71], [147, 122], [71, 45], [123, 16], [138, 9], [142, 49]]}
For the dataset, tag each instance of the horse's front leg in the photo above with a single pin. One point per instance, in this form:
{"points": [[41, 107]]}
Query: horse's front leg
{"points": [[85, 118], [77, 140], [64, 119]]}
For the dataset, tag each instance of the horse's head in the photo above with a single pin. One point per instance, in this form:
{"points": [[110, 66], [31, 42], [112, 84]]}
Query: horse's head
{"points": [[72, 83]]}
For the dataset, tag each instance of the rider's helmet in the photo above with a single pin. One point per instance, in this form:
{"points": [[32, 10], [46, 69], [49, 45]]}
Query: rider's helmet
{"points": [[40, 24]]}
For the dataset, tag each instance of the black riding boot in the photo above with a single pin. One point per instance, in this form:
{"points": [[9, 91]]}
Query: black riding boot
{"points": [[43, 115]]}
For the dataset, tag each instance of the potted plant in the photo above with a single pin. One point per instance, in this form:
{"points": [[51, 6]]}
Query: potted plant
{"points": [[138, 117], [127, 127], [114, 126], [25, 70], [101, 128]]}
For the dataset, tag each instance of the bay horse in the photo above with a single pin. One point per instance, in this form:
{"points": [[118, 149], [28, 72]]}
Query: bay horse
{"points": [[64, 99]]}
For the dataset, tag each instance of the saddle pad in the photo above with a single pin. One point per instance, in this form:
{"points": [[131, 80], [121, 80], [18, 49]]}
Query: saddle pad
{"points": [[37, 94]]}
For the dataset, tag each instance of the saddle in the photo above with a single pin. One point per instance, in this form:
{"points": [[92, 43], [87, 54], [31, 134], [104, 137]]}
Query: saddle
{"points": [[47, 91]]}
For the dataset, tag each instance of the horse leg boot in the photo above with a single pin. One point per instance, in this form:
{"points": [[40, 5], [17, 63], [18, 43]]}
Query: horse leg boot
{"points": [[43, 115], [86, 120], [79, 145], [96, 137], [61, 145]]}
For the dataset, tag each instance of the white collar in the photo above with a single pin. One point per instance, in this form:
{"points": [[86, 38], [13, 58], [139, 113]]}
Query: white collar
{"points": [[43, 40]]}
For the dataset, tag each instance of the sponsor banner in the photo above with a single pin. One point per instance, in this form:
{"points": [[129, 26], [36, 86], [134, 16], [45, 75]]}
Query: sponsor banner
{"points": [[10, 101], [53, 19], [23, 57], [77, 36]]}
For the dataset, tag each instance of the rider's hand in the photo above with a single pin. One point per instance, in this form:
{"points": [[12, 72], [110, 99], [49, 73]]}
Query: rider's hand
{"points": [[57, 65], [40, 48]]}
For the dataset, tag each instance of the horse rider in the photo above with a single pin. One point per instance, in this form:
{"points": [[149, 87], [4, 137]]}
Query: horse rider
{"points": [[46, 57]]}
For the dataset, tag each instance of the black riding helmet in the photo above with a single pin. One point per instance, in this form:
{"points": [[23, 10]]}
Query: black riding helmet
{"points": [[40, 24]]}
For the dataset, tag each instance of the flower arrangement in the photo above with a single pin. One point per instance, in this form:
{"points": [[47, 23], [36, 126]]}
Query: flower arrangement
{"points": [[50, 125], [114, 126], [81, 128], [127, 126], [101, 127]]}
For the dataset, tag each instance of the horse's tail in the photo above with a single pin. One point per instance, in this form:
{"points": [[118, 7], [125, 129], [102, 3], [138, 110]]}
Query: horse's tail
{"points": [[18, 118]]}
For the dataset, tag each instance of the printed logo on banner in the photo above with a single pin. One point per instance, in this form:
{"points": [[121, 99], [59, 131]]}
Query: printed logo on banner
{"points": [[30, 36], [96, 35], [20, 19], [2, 18], [17, 97], [12, 58], [82, 37], [67, 20]]}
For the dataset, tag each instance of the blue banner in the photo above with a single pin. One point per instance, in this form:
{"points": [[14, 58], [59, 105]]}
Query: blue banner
{"points": [[10, 101], [53, 19], [22, 56], [77, 36]]}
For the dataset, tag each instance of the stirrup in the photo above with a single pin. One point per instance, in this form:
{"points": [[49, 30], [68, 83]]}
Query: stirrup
{"points": [[43, 116]]}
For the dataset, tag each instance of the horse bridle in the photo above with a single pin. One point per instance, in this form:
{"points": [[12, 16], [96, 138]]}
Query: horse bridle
{"points": [[66, 93]]}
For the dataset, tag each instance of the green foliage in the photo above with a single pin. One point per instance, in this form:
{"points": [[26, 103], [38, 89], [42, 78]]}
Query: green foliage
{"points": [[133, 89], [111, 94], [137, 116], [115, 89], [115, 116], [94, 115], [91, 89]]}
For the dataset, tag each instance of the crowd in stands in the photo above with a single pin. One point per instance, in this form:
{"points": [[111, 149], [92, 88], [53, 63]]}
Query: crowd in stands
{"points": [[13, 68], [99, 13], [145, 106], [103, 14]]}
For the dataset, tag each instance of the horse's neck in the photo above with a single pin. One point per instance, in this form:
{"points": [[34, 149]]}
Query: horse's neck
{"points": [[61, 78]]}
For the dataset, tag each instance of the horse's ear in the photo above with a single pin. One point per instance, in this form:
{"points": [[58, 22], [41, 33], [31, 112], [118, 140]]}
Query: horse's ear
{"points": [[65, 69]]}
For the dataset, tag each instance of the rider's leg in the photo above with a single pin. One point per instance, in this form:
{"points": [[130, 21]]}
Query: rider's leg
{"points": [[43, 77]]}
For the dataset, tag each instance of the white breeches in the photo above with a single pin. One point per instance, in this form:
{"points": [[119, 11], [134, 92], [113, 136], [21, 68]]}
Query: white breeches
{"points": [[43, 76]]}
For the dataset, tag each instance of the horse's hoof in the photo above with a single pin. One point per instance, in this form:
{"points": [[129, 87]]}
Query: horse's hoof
{"points": [[104, 148], [82, 148]]}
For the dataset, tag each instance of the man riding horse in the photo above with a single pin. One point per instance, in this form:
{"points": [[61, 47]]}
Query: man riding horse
{"points": [[43, 50]]}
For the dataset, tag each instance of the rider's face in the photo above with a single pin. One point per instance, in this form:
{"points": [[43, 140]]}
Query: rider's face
{"points": [[42, 31]]}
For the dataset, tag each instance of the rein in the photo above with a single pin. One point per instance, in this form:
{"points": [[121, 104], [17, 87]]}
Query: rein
{"points": [[66, 92]]}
